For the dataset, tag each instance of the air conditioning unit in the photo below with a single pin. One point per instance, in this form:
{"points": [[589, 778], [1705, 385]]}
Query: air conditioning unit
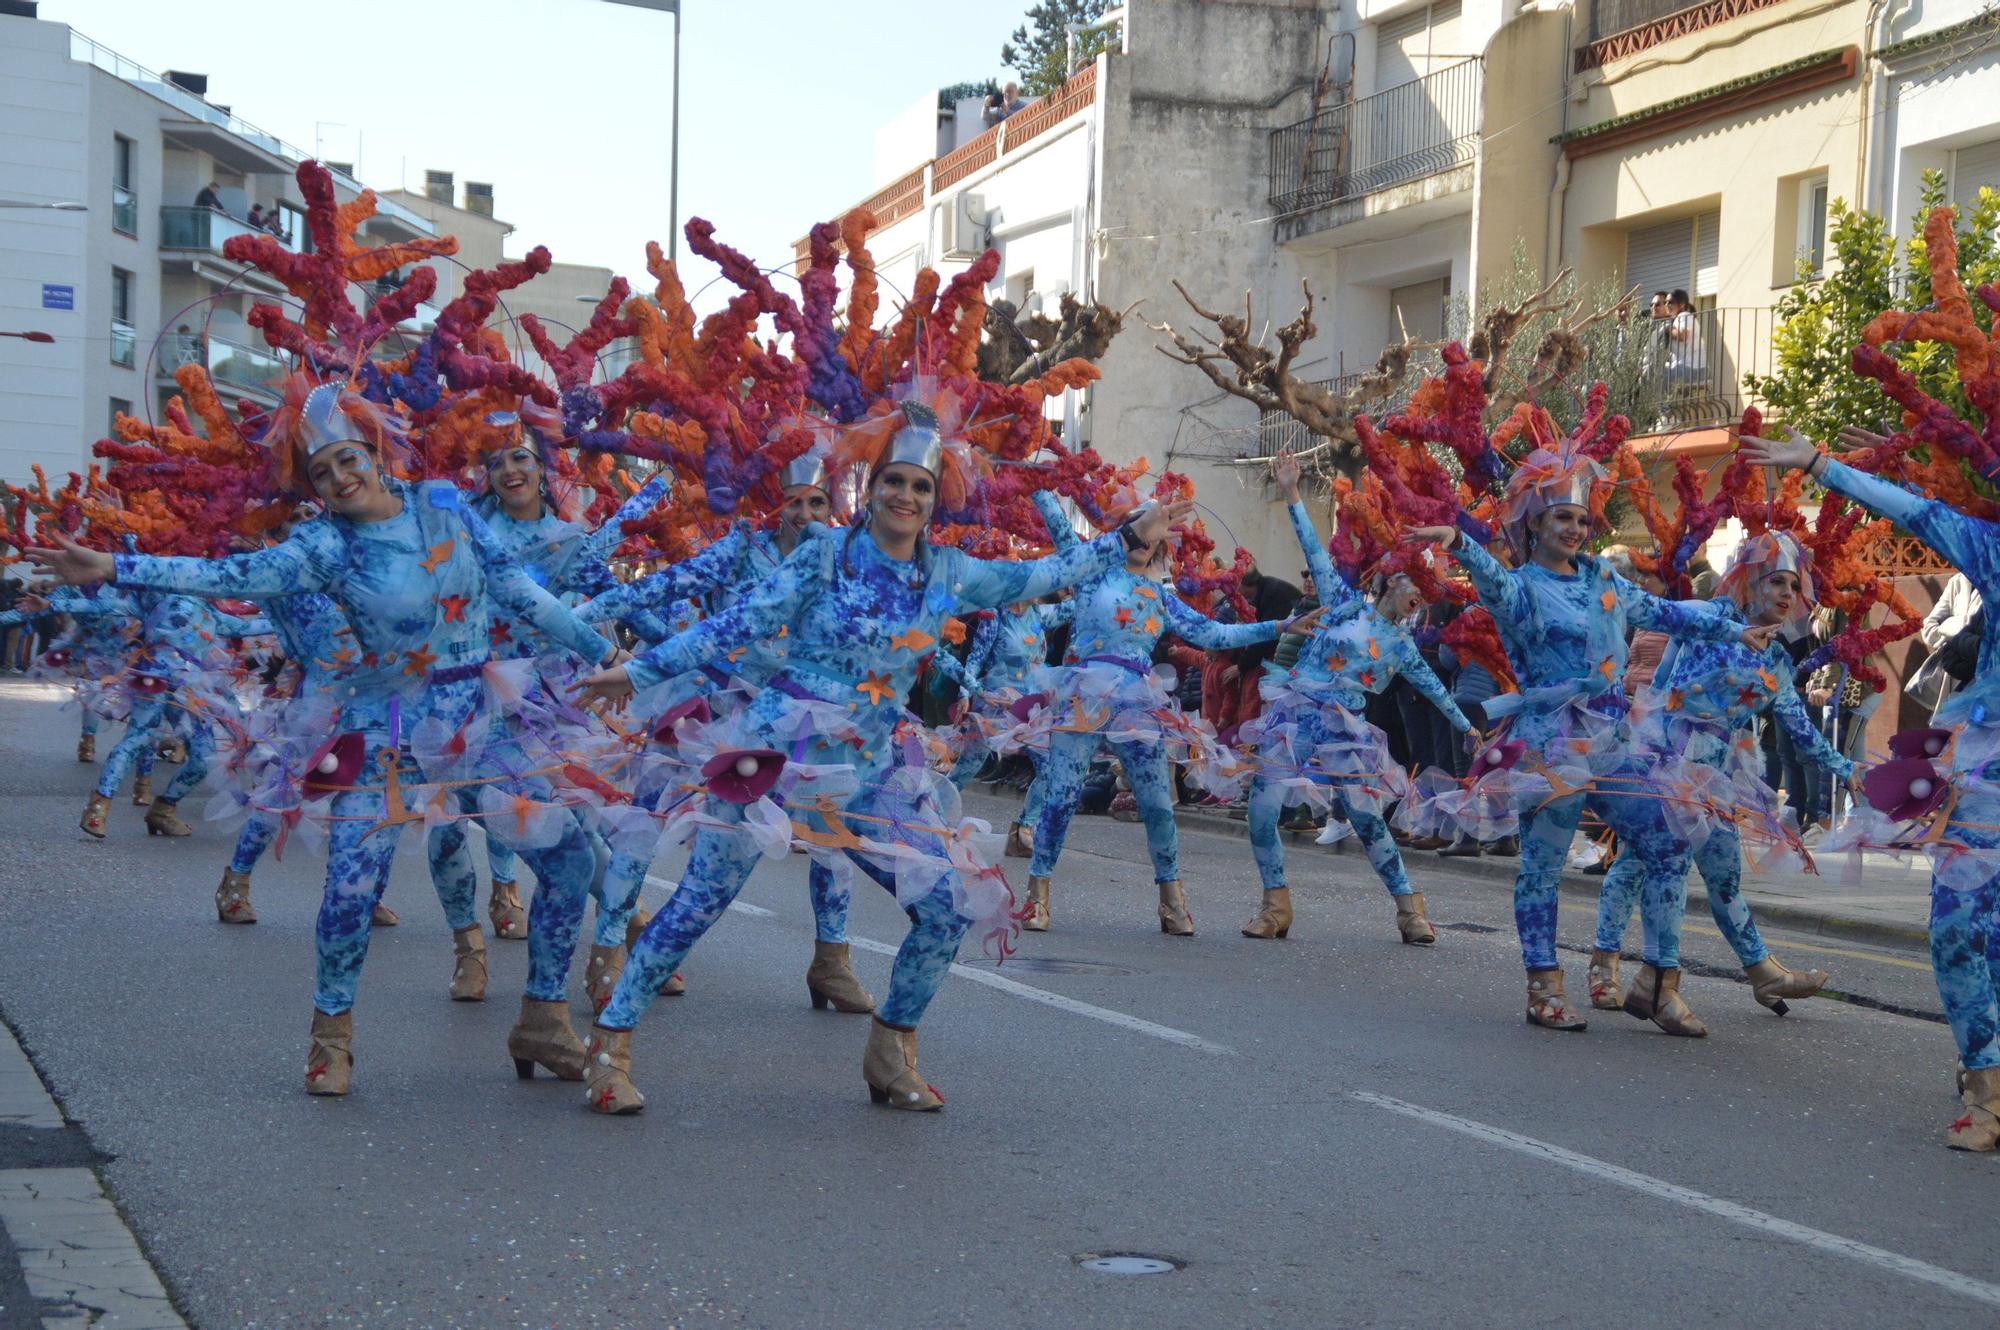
{"points": [[479, 198], [437, 186], [966, 233]]}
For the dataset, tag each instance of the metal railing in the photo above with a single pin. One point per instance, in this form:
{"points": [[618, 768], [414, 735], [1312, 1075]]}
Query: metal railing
{"points": [[131, 71], [231, 364], [124, 210], [200, 228], [124, 343], [1406, 133], [1691, 372]]}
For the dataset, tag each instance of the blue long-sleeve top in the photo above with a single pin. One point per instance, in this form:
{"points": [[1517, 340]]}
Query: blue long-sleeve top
{"points": [[1355, 649], [1121, 615], [1970, 545], [173, 629], [861, 622], [417, 589], [1724, 687], [1565, 634], [565, 559], [1007, 647]]}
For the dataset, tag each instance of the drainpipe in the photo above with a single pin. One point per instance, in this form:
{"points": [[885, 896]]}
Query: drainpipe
{"points": [[1072, 31], [1559, 192], [1874, 96]]}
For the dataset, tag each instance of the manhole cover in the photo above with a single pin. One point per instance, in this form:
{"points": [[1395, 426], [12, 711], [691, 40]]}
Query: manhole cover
{"points": [[1126, 1264], [1056, 965]]}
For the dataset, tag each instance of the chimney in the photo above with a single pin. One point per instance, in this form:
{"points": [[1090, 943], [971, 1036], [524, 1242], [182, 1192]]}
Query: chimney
{"points": [[479, 198], [17, 8], [437, 187], [194, 83]]}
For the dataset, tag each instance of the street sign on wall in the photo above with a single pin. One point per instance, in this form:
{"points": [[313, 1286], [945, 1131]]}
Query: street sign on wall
{"points": [[57, 296]]}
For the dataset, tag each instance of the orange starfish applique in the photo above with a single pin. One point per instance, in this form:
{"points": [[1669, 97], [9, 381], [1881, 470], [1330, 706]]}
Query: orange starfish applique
{"points": [[1124, 617], [878, 688], [914, 640], [1609, 600], [439, 553], [454, 608], [1606, 668], [419, 661], [1152, 624]]}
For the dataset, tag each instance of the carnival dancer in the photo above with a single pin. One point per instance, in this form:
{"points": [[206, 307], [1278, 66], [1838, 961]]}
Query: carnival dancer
{"points": [[1009, 652], [413, 572], [1965, 876], [1312, 742], [521, 509], [720, 576], [1704, 707], [1562, 615], [1106, 692], [862, 607]]}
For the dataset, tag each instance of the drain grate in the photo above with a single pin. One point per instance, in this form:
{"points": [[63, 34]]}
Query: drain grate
{"points": [[1056, 965], [1126, 1263]]}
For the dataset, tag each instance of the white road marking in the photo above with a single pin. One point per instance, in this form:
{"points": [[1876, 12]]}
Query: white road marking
{"points": [[1770, 1225], [741, 907], [1069, 1004]]}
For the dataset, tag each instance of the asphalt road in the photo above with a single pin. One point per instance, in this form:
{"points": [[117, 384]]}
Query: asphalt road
{"points": [[1330, 1130]]}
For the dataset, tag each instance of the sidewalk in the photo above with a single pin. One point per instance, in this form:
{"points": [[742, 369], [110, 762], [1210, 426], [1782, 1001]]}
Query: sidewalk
{"points": [[1889, 906]]}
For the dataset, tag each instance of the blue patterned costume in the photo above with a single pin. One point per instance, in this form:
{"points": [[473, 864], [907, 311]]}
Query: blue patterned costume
{"points": [[1565, 637], [416, 589], [1008, 655], [1105, 684], [1965, 887], [1313, 743], [860, 623]]}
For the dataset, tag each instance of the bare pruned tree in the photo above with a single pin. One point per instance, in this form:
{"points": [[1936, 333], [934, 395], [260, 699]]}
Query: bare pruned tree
{"points": [[1015, 349]]}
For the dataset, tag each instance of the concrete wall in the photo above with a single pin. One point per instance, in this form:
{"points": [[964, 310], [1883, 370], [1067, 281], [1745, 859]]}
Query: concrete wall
{"points": [[1931, 102], [1516, 174]]}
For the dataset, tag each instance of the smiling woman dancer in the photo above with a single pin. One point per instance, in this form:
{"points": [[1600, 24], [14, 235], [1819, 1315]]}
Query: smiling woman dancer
{"points": [[416, 576], [862, 607]]}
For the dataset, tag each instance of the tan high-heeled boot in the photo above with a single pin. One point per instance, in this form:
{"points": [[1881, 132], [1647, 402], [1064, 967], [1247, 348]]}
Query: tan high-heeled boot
{"points": [[86, 748], [384, 917], [173, 749], [607, 1073], [831, 981], [1771, 983], [1412, 922], [675, 986], [543, 1037], [890, 1067], [162, 820], [94, 814], [600, 975], [1175, 921], [142, 791], [1274, 917], [1546, 1004], [1020, 845], [635, 928], [1655, 995], [330, 1059], [232, 899], [468, 970], [1606, 988], [1037, 920], [1978, 1129], [509, 916]]}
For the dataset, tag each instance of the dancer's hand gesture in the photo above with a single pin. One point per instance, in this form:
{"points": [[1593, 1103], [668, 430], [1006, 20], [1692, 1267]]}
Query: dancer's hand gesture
{"points": [[1856, 437], [610, 686], [1285, 472], [1431, 535], [32, 603], [1758, 638], [1796, 451], [1154, 521], [72, 564], [1299, 625]]}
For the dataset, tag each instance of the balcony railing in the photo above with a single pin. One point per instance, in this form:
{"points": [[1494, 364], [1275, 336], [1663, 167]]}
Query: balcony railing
{"points": [[1415, 130], [230, 364], [1276, 429], [1696, 381], [1609, 16], [124, 343], [200, 228], [124, 210], [1618, 29]]}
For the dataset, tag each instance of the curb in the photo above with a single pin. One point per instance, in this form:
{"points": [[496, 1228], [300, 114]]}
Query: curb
{"points": [[1899, 937]]}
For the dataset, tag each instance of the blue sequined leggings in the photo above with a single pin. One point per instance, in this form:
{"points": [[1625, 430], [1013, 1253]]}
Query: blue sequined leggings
{"points": [[144, 728], [358, 869], [1641, 826], [1965, 940], [1267, 808], [1146, 771], [720, 862], [1720, 861]]}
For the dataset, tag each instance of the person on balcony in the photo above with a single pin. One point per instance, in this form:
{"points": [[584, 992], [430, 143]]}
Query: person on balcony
{"points": [[1687, 353], [210, 198]]}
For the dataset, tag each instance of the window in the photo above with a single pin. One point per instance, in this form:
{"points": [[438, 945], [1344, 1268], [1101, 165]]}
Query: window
{"points": [[1812, 227], [1681, 254], [1020, 289], [1975, 166], [1414, 45], [124, 337], [119, 407], [124, 203], [1418, 310]]}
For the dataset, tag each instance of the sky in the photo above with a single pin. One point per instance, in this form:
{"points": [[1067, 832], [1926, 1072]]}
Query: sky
{"points": [[566, 105]]}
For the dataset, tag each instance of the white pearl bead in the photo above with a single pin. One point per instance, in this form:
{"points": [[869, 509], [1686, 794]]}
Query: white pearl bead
{"points": [[603, 1059], [746, 766], [1920, 788], [329, 764], [1493, 755], [1933, 746]]}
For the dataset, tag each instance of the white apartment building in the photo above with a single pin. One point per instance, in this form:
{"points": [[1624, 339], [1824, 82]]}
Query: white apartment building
{"points": [[101, 245]]}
